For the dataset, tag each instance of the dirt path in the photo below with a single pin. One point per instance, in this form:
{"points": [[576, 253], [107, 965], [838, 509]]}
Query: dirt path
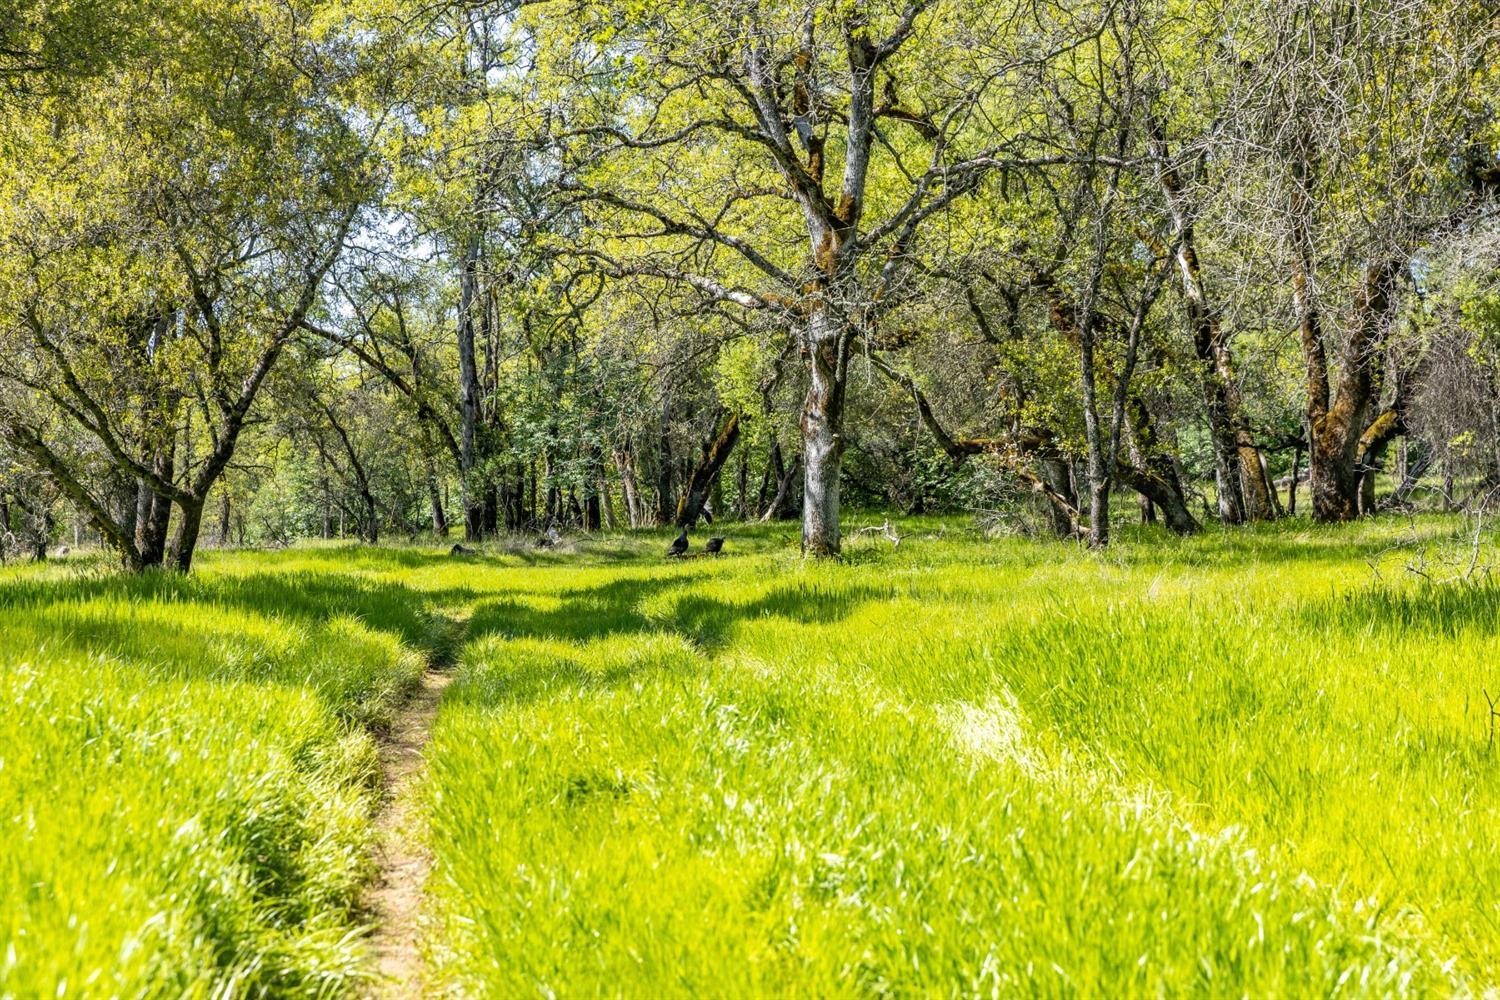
{"points": [[394, 900]]}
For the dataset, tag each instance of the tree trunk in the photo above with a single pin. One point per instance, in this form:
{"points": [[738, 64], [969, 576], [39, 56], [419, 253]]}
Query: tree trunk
{"points": [[628, 488], [1336, 420], [1057, 475], [742, 486], [783, 505], [1164, 486], [664, 504], [435, 501], [1244, 492], [1373, 444], [1291, 499], [1166, 497], [713, 456], [153, 511], [469, 396], [186, 539], [607, 500], [490, 505], [822, 435], [361, 480], [223, 519], [1099, 471], [770, 479], [592, 512]]}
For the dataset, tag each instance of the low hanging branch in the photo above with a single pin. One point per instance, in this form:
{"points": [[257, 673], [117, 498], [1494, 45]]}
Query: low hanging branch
{"points": [[1011, 452]]}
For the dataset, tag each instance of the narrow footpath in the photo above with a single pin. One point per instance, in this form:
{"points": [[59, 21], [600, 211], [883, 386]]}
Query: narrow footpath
{"points": [[394, 899]]}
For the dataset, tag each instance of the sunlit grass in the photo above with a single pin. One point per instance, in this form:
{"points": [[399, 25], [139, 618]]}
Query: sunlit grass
{"points": [[1245, 763], [1254, 762], [186, 776]]}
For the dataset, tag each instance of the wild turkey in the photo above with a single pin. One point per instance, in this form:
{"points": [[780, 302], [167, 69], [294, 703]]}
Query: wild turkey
{"points": [[715, 545], [460, 550], [680, 545]]}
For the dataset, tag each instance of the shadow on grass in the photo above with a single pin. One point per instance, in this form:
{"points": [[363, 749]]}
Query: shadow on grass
{"points": [[622, 606]]}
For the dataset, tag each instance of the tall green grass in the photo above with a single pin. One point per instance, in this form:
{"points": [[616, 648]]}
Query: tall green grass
{"points": [[187, 773], [1243, 764], [1251, 763]]}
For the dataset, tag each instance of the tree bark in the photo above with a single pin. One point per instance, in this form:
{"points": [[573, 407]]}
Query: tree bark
{"points": [[361, 480], [742, 486], [711, 461], [185, 542], [664, 504], [1336, 424], [1158, 471], [1291, 499], [435, 500], [1373, 444], [154, 511], [783, 504], [1057, 475], [629, 491], [822, 434], [469, 395], [1244, 494], [223, 519]]}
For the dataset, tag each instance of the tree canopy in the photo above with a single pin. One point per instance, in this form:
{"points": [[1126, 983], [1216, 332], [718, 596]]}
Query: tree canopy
{"points": [[374, 266]]}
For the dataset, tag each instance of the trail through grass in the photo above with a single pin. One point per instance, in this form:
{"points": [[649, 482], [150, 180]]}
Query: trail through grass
{"points": [[187, 775], [394, 899], [1241, 764]]}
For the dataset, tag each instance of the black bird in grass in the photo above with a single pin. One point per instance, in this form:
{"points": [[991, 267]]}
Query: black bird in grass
{"points": [[715, 545], [680, 545]]}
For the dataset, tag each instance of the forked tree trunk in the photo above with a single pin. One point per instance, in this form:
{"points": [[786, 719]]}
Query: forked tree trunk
{"points": [[714, 454], [185, 541], [782, 505], [361, 479], [1336, 419], [1244, 491], [629, 491], [153, 511], [1337, 425]]}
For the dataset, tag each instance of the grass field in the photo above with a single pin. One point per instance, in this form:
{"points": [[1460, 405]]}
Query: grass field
{"points": [[1254, 762]]}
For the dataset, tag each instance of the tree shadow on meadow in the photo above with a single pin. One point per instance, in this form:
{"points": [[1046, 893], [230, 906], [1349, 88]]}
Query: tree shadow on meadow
{"points": [[627, 627], [199, 626], [647, 605]]}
